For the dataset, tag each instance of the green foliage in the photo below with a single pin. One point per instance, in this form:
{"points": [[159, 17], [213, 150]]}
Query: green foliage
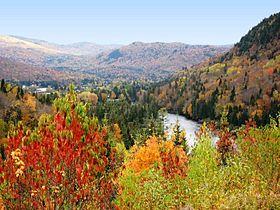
{"points": [[247, 181], [2, 87], [232, 94], [238, 185], [261, 147], [8, 87], [202, 109], [277, 59], [260, 35], [203, 162], [151, 190], [3, 128], [136, 120]]}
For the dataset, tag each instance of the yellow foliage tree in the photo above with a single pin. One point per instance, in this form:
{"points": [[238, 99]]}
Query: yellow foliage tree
{"points": [[117, 132], [189, 110], [30, 101]]}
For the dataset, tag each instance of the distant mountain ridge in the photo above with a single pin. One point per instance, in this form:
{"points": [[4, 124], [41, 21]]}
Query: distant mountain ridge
{"points": [[79, 48], [111, 62], [159, 55]]}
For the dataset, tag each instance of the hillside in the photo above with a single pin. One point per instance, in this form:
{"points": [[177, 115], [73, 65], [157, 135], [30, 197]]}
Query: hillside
{"points": [[159, 56], [12, 70], [245, 81], [18, 71]]}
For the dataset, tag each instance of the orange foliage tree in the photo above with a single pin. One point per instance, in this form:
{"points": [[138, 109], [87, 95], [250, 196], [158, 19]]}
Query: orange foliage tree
{"points": [[163, 155]]}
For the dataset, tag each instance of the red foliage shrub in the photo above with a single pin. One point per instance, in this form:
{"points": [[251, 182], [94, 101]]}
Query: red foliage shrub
{"points": [[174, 160], [64, 166], [226, 144]]}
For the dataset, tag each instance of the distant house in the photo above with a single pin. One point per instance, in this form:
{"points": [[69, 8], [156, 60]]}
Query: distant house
{"points": [[41, 90]]}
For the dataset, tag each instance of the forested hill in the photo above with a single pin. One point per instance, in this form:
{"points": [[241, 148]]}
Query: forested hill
{"points": [[245, 82], [262, 41]]}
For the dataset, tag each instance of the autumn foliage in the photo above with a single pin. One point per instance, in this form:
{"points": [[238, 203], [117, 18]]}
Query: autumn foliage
{"points": [[163, 155], [67, 162]]}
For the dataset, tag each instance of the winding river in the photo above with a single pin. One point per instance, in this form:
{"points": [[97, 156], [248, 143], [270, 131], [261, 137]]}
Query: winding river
{"points": [[189, 126]]}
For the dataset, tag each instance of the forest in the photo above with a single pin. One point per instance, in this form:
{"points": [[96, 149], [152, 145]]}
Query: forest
{"points": [[245, 81], [105, 146], [85, 157]]}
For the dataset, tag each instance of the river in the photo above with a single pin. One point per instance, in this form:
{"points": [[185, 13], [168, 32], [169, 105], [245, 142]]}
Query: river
{"points": [[189, 126]]}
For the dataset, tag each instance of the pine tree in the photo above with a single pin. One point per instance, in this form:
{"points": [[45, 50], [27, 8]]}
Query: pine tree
{"points": [[232, 95], [3, 89]]}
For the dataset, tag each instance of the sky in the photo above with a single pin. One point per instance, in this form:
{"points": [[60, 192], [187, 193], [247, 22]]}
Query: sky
{"points": [[124, 21]]}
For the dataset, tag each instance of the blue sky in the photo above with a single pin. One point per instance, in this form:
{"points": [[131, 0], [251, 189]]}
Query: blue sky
{"points": [[124, 21]]}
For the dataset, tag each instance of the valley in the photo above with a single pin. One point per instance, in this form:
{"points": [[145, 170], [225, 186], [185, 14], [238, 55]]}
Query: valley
{"points": [[74, 62], [146, 125]]}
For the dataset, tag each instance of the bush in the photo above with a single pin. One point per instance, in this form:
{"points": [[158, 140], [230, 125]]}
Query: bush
{"points": [[152, 190], [153, 177], [247, 181], [67, 163]]}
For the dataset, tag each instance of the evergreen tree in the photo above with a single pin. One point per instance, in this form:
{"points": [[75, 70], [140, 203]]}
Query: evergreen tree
{"points": [[3, 88], [177, 133], [232, 95]]}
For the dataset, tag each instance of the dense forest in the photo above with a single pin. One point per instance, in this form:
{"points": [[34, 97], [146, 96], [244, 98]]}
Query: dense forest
{"points": [[106, 147], [76, 159], [245, 81]]}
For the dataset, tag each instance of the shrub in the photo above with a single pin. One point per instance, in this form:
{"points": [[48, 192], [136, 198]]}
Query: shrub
{"points": [[248, 180], [154, 177], [152, 190], [158, 154], [67, 162], [261, 146]]}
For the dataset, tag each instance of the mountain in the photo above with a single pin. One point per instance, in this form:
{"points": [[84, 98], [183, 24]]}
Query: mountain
{"points": [[111, 62], [80, 48], [244, 82], [159, 56], [86, 48], [49, 55]]}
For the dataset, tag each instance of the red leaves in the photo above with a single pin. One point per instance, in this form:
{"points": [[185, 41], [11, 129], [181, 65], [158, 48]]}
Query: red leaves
{"points": [[270, 71], [248, 126], [60, 167], [174, 161], [226, 144]]}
